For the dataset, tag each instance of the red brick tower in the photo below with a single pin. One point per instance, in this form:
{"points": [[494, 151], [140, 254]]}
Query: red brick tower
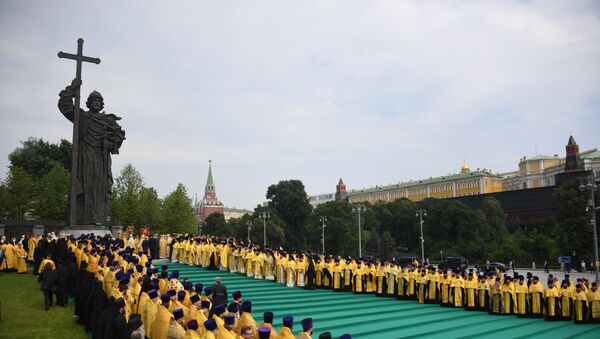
{"points": [[573, 161], [340, 191], [210, 204]]}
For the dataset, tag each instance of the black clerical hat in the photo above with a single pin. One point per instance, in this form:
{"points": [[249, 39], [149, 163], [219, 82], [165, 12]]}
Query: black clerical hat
{"points": [[178, 313], [307, 324], [219, 309], [264, 332], [268, 317], [229, 319], [288, 321], [192, 325], [210, 324]]}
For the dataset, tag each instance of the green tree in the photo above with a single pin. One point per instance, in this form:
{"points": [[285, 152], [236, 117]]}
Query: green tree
{"points": [[275, 226], [215, 224], [341, 236], [19, 193], [3, 196], [177, 212], [125, 199], [574, 231], [150, 209], [454, 228], [288, 198], [493, 231], [51, 194], [37, 157]]}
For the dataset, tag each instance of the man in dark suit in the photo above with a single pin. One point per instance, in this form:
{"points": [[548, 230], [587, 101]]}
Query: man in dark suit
{"points": [[219, 293], [48, 284]]}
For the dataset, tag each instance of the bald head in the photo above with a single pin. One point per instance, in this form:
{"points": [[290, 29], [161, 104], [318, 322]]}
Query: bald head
{"points": [[218, 280]]}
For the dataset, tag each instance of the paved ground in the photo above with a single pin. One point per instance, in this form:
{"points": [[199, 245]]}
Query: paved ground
{"points": [[366, 316]]}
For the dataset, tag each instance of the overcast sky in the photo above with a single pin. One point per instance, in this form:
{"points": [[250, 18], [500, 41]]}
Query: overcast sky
{"points": [[373, 92]]}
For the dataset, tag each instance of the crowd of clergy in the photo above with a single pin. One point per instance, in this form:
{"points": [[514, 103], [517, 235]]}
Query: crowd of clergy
{"points": [[119, 293], [492, 292]]}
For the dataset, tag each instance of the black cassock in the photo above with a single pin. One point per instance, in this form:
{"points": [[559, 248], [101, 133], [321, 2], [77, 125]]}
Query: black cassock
{"points": [[61, 282], [72, 280], [39, 253], [97, 302], [105, 319], [83, 290], [310, 275], [61, 250], [120, 329]]}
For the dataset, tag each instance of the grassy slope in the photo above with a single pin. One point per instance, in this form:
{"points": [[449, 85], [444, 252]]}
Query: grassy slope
{"points": [[23, 314]]}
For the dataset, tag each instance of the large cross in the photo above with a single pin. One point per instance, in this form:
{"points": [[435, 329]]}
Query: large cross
{"points": [[79, 57]]}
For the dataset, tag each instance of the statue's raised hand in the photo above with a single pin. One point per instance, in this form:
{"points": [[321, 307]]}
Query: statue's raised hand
{"points": [[76, 83]]}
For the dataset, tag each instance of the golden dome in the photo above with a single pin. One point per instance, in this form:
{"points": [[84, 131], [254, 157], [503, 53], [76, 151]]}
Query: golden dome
{"points": [[465, 168]]}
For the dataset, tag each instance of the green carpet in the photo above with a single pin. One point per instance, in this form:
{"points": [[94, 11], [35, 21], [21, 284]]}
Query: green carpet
{"points": [[366, 316]]}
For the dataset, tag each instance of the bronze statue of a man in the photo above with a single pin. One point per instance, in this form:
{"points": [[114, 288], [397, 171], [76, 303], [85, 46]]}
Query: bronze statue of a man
{"points": [[99, 136]]}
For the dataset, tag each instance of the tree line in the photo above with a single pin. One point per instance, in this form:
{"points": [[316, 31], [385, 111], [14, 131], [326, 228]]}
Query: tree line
{"points": [[392, 229], [38, 180], [37, 187]]}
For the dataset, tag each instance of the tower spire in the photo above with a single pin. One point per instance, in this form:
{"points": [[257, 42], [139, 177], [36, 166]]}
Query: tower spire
{"points": [[210, 204], [209, 180]]}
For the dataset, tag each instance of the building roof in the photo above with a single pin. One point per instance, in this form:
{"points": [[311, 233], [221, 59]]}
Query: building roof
{"points": [[233, 209], [430, 181], [510, 174], [590, 154], [542, 157], [571, 141], [340, 183]]}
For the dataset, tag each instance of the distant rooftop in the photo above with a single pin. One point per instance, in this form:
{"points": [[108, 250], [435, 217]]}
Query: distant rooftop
{"points": [[430, 181]]}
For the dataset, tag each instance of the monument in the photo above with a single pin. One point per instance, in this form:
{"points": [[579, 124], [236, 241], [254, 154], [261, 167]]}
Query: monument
{"points": [[96, 136]]}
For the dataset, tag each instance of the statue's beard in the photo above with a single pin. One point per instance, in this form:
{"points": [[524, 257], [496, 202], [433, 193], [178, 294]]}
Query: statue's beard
{"points": [[95, 108]]}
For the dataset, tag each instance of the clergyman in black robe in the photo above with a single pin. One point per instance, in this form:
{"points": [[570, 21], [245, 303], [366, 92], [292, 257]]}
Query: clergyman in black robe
{"points": [[310, 275]]}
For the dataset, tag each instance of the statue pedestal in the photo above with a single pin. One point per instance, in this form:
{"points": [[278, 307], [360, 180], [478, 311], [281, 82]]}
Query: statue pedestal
{"points": [[87, 229], [38, 229]]}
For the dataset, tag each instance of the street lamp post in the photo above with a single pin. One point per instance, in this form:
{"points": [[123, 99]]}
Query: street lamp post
{"points": [[359, 209], [249, 224], [264, 216], [592, 188], [421, 214], [323, 220]]}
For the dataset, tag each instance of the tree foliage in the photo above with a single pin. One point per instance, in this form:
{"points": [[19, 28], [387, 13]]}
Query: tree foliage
{"points": [[125, 200], [37, 157], [289, 199], [150, 209], [574, 233], [178, 213], [215, 224], [341, 230], [19, 193], [52, 194]]}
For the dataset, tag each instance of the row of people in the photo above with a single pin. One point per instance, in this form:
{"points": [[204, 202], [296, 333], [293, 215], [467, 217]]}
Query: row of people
{"points": [[494, 293], [119, 293]]}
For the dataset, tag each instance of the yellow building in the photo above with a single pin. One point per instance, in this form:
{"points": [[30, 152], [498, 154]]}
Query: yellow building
{"points": [[234, 213], [538, 171], [541, 170], [466, 182]]}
